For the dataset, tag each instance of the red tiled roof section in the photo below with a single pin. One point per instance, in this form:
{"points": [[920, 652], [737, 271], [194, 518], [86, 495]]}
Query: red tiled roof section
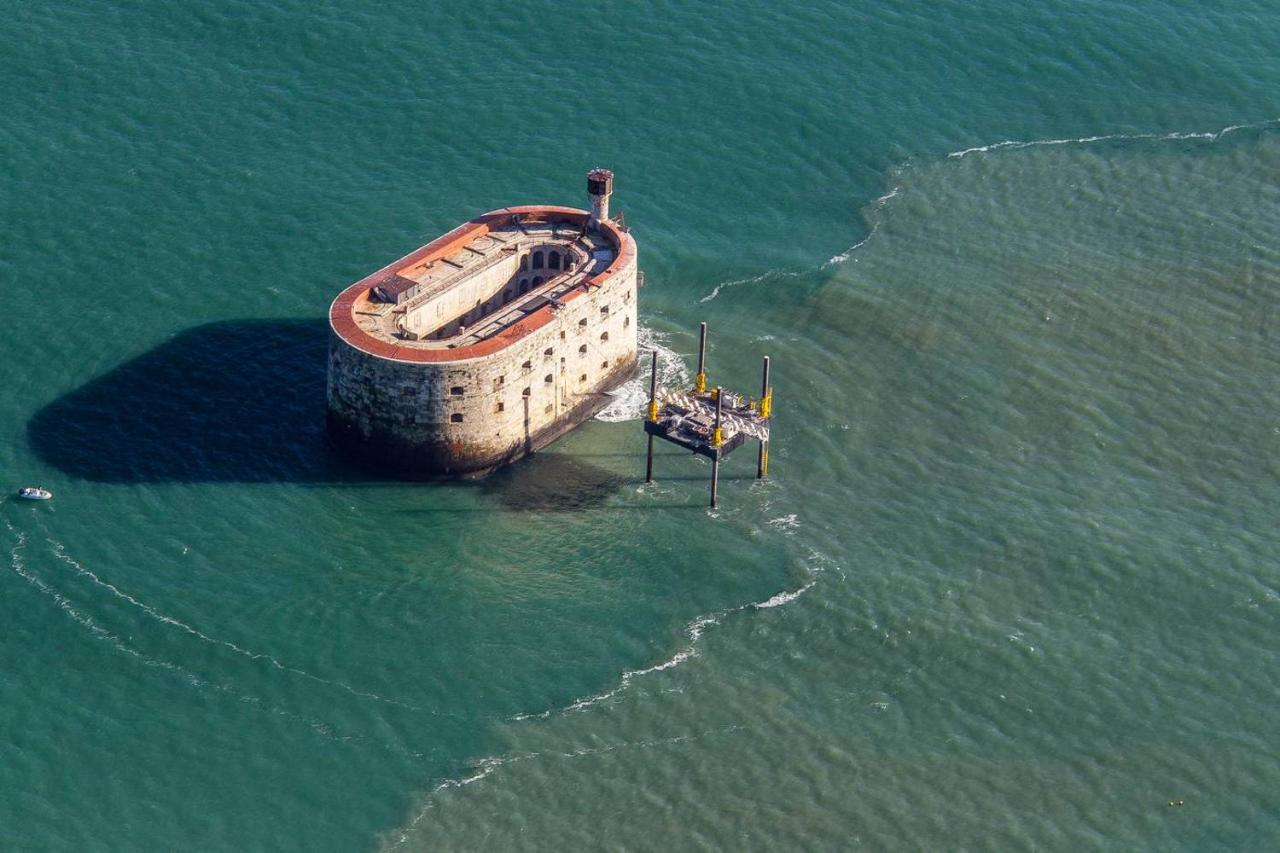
{"points": [[341, 312]]}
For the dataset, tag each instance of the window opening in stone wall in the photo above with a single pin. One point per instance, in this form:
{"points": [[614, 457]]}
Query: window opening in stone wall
{"points": [[549, 378], [456, 417], [582, 322], [526, 392], [528, 365], [524, 285], [547, 410], [549, 351], [582, 378], [582, 350], [456, 390], [537, 260], [524, 262], [537, 280], [626, 322], [604, 365], [500, 406], [604, 336], [604, 312], [553, 261]]}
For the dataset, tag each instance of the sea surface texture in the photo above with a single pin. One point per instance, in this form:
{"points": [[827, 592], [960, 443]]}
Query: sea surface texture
{"points": [[1014, 582]]}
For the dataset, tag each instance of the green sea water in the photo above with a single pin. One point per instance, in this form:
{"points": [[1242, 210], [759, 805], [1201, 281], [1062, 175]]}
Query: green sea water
{"points": [[1014, 582]]}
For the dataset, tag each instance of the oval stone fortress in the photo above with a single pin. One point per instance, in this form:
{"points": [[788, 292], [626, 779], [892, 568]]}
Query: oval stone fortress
{"points": [[487, 343]]}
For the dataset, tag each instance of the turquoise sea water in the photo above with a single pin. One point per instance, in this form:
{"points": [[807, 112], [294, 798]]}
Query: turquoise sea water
{"points": [[1014, 584]]}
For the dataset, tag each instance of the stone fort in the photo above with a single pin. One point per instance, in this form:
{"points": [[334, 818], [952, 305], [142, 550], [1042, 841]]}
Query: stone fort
{"points": [[488, 343]]}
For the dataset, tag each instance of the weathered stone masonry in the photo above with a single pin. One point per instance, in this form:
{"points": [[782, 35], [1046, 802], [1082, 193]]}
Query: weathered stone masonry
{"points": [[501, 366]]}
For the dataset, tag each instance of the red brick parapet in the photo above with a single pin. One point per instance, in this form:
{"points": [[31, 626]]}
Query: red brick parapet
{"points": [[342, 311]]}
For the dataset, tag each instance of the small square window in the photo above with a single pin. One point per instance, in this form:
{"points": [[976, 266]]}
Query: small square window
{"points": [[604, 365], [456, 417], [501, 406], [456, 390], [582, 378]]}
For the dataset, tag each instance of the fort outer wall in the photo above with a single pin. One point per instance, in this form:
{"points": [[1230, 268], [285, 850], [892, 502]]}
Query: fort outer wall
{"points": [[462, 412]]}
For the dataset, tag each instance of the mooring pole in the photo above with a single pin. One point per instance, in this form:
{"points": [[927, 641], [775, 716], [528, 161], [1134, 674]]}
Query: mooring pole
{"points": [[716, 441], [766, 411], [653, 413], [700, 381]]}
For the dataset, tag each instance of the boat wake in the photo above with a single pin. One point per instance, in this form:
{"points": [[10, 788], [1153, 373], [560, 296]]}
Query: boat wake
{"points": [[18, 565], [59, 551]]}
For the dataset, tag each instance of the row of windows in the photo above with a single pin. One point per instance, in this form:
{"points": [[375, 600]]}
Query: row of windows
{"points": [[500, 406]]}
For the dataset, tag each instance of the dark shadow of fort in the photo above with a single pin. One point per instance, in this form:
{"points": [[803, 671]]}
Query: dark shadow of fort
{"points": [[239, 400], [243, 401]]}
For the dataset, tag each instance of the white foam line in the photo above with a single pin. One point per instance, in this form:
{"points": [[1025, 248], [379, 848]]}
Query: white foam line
{"points": [[1015, 144], [488, 766], [876, 206], [755, 279], [694, 630], [59, 550]]}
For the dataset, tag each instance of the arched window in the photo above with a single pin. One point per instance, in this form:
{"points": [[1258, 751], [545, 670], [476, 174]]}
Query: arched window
{"points": [[604, 336], [524, 286], [553, 260], [524, 262], [537, 260], [582, 350], [537, 280], [549, 378]]}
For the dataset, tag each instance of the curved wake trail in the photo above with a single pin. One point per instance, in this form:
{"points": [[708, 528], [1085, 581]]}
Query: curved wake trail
{"points": [[59, 551], [18, 566]]}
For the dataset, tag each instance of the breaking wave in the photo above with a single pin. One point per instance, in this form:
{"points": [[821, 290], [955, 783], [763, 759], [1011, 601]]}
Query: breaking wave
{"points": [[629, 398]]}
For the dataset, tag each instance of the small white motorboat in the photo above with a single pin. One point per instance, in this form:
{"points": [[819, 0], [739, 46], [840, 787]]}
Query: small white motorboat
{"points": [[34, 493]]}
